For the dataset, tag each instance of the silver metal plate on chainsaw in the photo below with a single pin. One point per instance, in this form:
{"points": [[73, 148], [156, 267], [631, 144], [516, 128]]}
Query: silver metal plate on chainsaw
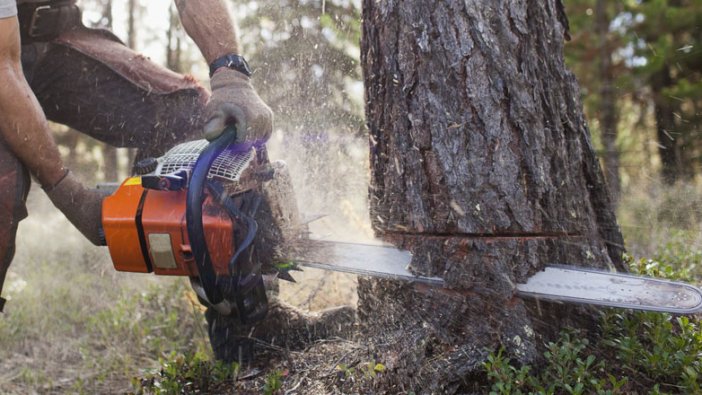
{"points": [[362, 259], [571, 284], [228, 165]]}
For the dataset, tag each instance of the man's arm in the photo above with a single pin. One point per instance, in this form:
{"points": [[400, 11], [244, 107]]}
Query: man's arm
{"points": [[208, 23], [233, 100], [24, 128], [23, 125]]}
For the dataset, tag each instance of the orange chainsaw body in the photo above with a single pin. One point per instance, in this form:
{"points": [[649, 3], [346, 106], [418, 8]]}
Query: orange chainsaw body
{"points": [[145, 231]]}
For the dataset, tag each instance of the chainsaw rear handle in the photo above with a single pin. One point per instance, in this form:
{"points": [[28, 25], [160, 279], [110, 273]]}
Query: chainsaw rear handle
{"points": [[193, 213]]}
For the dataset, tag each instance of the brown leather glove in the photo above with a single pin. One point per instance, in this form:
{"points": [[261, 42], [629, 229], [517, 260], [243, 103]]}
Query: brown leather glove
{"points": [[235, 100], [82, 206]]}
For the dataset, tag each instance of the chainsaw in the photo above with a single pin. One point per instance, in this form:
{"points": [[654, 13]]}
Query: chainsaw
{"points": [[220, 213]]}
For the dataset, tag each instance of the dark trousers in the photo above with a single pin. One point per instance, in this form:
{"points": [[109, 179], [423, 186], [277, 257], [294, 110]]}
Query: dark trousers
{"points": [[87, 79]]}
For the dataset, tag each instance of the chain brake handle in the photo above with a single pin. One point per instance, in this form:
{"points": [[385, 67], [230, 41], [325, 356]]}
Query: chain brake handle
{"points": [[250, 297]]}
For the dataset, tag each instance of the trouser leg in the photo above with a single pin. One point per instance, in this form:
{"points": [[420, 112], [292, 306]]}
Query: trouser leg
{"points": [[96, 85], [14, 186]]}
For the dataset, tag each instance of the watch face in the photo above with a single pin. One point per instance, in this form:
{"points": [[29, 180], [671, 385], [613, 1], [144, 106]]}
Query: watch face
{"points": [[231, 61], [238, 63], [245, 65]]}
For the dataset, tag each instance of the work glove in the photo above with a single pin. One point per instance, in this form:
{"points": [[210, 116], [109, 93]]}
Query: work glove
{"points": [[82, 206], [234, 100]]}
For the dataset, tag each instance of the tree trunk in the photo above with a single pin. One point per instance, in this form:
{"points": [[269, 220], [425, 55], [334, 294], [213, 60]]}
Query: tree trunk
{"points": [[110, 153], [173, 45], [482, 165], [608, 103], [668, 147], [131, 23], [132, 9]]}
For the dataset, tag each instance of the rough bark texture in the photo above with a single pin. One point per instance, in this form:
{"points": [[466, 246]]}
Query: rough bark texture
{"points": [[482, 165]]}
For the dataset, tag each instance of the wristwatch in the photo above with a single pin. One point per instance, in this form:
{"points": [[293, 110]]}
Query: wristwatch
{"points": [[232, 61]]}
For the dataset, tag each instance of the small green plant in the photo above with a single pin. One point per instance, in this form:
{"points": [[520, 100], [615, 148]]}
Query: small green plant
{"points": [[187, 374], [274, 382], [372, 368], [570, 369], [505, 378]]}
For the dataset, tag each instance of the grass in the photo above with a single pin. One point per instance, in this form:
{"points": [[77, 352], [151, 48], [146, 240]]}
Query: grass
{"points": [[74, 325], [180, 373], [85, 346]]}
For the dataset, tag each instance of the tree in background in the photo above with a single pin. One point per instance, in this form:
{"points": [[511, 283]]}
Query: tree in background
{"points": [[174, 45], [645, 57], [608, 110], [592, 54], [668, 35], [305, 60], [110, 153]]}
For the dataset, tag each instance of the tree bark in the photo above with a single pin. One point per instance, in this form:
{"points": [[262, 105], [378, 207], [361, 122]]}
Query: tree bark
{"points": [[482, 165]]}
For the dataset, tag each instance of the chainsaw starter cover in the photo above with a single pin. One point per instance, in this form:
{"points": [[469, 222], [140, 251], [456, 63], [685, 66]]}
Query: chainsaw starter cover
{"points": [[145, 230]]}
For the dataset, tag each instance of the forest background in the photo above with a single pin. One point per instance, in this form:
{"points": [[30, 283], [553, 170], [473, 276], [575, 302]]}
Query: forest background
{"points": [[75, 324]]}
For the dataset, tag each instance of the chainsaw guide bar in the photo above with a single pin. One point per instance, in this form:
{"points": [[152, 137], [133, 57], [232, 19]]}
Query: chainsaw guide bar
{"points": [[557, 283], [362, 259], [586, 286]]}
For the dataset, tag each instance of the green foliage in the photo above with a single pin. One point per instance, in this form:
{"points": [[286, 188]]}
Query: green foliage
{"points": [[654, 72], [274, 382], [570, 369], [108, 328], [306, 58], [683, 258], [187, 374], [634, 351]]}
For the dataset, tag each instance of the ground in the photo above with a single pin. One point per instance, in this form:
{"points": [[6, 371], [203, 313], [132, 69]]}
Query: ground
{"points": [[74, 325]]}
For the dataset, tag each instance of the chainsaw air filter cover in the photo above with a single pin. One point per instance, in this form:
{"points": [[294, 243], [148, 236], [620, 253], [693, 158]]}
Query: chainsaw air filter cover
{"points": [[229, 165]]}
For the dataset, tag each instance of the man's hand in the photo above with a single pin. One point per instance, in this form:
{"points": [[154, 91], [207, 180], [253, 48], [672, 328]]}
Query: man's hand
{"points": [[82, 206], [235, 101]]}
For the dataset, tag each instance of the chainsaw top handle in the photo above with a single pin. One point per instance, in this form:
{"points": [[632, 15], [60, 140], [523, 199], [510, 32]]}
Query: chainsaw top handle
{"points": [[193, 212]]}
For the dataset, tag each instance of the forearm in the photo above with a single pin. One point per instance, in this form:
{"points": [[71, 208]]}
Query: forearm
{"points": [[25, 130], [210, 26], [23, 125]]}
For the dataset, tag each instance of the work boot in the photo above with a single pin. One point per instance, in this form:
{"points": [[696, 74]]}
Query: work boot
{"points": [[285, 326]]}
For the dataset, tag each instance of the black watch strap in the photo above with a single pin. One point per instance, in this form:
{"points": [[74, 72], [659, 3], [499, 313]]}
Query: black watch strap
{"points": [[232, 61]]}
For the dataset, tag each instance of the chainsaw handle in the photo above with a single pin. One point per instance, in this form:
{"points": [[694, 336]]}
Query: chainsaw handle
{"points": [[193, 212]]}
